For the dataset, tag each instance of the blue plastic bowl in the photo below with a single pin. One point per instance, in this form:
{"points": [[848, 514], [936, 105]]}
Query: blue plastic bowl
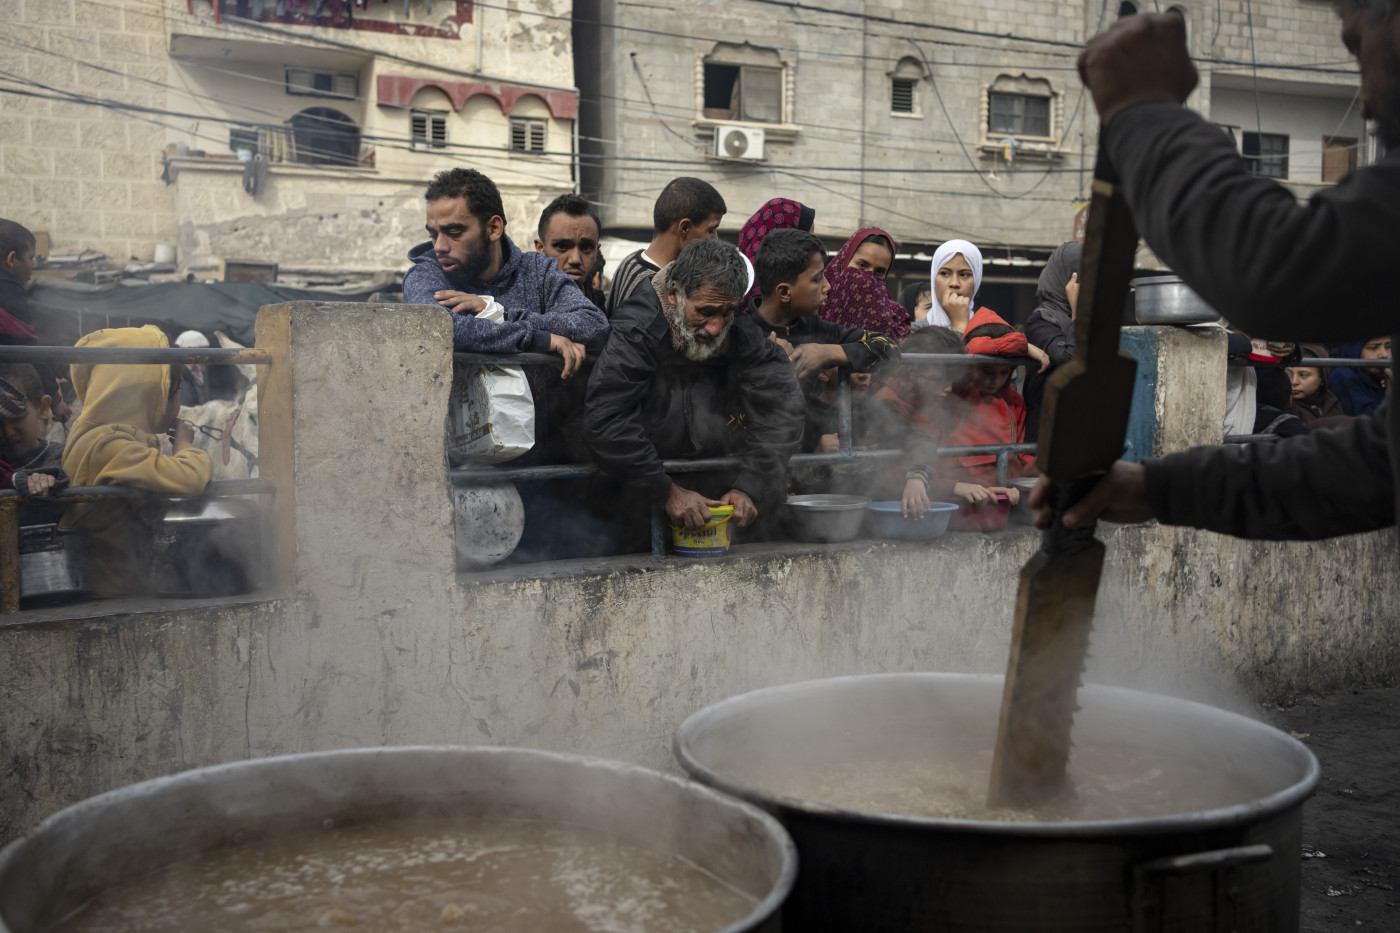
{"points": [[887, 520]]}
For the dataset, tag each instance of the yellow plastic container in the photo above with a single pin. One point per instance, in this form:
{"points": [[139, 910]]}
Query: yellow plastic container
{"points": [[711, 540]]}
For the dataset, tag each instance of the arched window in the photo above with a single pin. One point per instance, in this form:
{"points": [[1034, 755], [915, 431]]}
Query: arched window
{"points": [[904, 86], [322, 136], [1126, 8]]}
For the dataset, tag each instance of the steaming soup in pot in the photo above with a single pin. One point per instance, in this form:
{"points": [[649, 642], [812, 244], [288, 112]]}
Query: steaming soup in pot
{"points": [[501, 877], [1111, 782]]}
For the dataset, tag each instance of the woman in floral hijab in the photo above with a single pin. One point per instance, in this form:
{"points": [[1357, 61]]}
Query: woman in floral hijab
{"points": [[858, 297], [777, 214]]}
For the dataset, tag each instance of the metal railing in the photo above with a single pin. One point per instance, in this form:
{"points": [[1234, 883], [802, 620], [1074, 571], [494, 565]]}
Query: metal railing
{"points": [[1315, 362], [1320, 362], [11, 500], [476, 476]]}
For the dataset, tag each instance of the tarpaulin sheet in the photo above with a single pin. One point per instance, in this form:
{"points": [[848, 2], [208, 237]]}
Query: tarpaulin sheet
{"points": [[227, 306]]}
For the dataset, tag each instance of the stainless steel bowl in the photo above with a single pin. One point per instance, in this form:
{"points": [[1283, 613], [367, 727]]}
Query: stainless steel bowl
{"points": [[825, 517], [1021, 512], [1165, 299]]}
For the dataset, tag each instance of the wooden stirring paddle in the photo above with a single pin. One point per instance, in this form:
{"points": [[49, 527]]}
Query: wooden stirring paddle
{"points": [[1082, 429]]}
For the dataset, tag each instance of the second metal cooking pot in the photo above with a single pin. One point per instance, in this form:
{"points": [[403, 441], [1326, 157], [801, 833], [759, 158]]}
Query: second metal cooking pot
{"points": [[127, 833], [207, 547], [1232, 868], [1165, 299]]}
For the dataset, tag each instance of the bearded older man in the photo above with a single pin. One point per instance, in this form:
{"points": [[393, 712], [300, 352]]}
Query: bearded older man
{"points": [[645, 401]]}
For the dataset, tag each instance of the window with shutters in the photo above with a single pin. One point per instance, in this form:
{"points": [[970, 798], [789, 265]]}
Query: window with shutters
{"points": [[306, 83], [902, 95], [1266, 154], [428, 129], [527, 135]]}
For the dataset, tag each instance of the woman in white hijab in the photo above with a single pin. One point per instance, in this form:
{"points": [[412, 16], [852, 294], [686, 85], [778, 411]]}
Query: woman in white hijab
{"points": [[957, 275]]}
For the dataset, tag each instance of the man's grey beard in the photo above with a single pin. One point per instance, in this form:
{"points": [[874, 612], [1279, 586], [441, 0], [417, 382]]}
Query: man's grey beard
{"points": [[683, 339]]}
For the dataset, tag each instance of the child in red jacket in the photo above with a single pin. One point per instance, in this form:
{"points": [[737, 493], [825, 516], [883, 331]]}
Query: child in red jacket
{"points": [[993, 412]]}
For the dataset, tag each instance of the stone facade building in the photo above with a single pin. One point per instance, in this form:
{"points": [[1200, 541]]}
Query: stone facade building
{"points": [[923, 116], [127, 122]]}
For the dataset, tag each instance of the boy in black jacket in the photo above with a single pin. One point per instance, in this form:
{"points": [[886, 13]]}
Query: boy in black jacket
{"points": [[790, 272]]}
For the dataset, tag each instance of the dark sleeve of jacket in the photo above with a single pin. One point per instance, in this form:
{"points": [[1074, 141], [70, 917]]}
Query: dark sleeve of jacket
{"points": [[1048, 336], [868, 350], [1316, 485], [621, 379], [774, 409], [1245, 244]]}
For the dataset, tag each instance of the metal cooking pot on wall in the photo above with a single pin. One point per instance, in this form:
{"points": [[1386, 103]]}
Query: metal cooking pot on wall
{"points": [[52, 563], [1231, 868], [1166, 299], [207, 547], [128, 833]]}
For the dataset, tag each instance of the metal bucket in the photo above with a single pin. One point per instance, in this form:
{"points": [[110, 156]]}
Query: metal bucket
{"points": [[127, 833], [1233, 868], [1166, 299], [52, 564]]}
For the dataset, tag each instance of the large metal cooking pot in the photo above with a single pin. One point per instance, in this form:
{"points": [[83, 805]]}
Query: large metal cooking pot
{"points": [[1233, 868], [207, 547], [1165, 299], [127, 833]]}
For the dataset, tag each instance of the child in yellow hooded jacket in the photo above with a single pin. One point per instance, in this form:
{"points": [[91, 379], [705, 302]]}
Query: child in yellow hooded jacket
{"points": [[116, 441]]}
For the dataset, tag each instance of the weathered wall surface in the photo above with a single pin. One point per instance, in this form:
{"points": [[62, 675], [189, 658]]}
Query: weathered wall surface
{"points": [[87, 175], [608, 660], [374, 640], [306, 219]]}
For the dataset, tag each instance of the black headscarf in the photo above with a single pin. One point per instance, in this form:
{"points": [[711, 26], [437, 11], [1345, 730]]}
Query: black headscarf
{"points": [[1051, 300], [910, 296]]}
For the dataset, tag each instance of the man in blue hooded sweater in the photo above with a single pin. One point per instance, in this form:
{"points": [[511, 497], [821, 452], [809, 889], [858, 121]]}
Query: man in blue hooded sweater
{"points": [[470, 257]]}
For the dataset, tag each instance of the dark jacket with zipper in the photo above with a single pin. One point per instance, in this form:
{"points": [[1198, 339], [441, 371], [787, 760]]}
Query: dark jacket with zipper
{"points": [[646, 402], [1324, 271]]}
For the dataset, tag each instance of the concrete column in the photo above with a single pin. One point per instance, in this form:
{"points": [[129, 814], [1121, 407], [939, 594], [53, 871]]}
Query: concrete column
{"points": [[352, 431], [1179, 399]]}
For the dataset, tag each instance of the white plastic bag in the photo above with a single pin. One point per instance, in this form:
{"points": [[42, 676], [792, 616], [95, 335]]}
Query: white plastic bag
{"points": [[491, 415]]}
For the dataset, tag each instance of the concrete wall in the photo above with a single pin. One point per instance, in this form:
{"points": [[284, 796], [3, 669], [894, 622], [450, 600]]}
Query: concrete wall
{"points": [[371, 638]]}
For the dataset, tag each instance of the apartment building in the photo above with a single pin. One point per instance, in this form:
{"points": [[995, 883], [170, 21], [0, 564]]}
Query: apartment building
{"points": [[929, 118], [296, 133]]}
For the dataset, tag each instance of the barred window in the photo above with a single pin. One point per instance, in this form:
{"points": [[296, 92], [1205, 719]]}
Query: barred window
{"points": [[527, 135]]}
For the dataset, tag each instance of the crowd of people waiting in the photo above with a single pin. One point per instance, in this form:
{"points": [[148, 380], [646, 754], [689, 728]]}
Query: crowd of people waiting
{"points": [[699, 349]]}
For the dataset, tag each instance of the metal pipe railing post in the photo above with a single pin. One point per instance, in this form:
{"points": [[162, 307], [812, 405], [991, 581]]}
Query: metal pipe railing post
{"points": [[658, 530], [1003, 461], [9, 555], [843, 409]]}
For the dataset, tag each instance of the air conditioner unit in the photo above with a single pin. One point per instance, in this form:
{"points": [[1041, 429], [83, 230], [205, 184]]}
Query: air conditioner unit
{"points": [[739, 142]]}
